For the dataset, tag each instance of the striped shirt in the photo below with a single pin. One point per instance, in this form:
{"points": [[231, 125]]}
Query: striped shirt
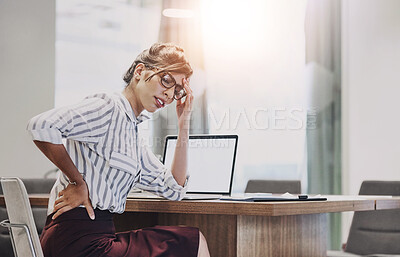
{"points": [[102, 140]]}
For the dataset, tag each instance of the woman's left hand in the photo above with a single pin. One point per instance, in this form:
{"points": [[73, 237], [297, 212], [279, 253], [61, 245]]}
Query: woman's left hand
{"points": [[184, 109]]}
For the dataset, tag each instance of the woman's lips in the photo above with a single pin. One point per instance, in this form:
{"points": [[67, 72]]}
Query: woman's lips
{"points": [[159, 103]]}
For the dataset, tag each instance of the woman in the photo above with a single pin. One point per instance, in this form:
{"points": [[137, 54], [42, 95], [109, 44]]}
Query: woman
{"points": [[104, 158]]}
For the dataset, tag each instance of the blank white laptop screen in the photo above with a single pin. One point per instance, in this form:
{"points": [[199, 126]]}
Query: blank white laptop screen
{"points": [[211, 160]]}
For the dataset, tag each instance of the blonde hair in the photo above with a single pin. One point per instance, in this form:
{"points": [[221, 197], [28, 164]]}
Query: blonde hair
{"points": [[166, 56]]}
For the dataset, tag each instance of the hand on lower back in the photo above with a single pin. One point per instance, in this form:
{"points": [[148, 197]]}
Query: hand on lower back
{"points": [[72, 197]]}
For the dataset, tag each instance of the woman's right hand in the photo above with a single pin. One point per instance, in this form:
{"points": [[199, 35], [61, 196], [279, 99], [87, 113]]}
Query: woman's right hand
{"points": [[73, 196]]}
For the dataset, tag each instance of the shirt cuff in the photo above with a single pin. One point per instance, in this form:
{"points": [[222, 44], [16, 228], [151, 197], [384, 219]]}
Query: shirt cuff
{"points": [[47, 135], [171, 183]]}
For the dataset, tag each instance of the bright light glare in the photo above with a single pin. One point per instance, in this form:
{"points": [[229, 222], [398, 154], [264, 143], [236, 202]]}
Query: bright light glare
{"points": [[177, 13], [254, 54], [233, 21]]}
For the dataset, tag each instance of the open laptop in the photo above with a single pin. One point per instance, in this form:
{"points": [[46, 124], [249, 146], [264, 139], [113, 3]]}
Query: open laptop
{"points": [[211, 164]]}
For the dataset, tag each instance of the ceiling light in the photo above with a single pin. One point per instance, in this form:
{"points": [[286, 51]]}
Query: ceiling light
{"points": [[177, 13]]}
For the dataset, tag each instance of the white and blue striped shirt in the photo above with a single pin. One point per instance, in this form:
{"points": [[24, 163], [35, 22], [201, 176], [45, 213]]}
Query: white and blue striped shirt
{"points": [[102, 139]]}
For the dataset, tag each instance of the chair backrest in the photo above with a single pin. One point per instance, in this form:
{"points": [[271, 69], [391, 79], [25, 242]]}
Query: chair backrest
{"points": [[273, 186], [376, 232], [19, 212]]}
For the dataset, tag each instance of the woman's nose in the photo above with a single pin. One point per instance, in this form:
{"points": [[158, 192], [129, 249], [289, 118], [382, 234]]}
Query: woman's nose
{"points": [[170, 93]]}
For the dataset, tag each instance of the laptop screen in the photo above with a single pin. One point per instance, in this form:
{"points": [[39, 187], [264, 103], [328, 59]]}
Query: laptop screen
{"points": [[211, 161]]}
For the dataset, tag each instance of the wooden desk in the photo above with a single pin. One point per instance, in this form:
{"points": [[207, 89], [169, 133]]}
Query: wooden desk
{"points": [[245, 228]]}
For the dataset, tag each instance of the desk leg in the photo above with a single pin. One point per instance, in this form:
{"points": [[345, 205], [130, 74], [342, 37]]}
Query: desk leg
{"points": [[286, 236]]}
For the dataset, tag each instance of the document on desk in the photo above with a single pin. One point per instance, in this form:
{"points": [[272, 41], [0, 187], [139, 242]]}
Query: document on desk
{"points": [[262, 197]]}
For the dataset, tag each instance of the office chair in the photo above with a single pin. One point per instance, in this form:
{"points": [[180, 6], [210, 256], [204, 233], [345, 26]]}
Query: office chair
{"points": [[21, 225], [374, 233], [273, 186]]}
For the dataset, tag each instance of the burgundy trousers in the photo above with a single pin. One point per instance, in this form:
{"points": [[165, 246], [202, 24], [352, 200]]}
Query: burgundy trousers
{"points": [[74, 234]]}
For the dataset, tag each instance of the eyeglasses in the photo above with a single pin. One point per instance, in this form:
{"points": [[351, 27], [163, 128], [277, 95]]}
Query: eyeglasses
{"points": [[168, 81]]}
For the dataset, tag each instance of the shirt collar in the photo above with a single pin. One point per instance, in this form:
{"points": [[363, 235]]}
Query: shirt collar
{"points": [[127, 108]]}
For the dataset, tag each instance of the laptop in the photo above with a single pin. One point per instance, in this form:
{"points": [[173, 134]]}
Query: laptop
{"points": [[211, 165]]}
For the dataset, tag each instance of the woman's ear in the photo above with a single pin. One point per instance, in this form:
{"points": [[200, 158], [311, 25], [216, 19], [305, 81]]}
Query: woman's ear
{"points": [[139, 71]]}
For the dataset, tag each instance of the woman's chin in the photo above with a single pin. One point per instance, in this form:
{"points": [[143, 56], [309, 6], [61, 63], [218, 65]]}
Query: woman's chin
{"points": [[151, 109]]}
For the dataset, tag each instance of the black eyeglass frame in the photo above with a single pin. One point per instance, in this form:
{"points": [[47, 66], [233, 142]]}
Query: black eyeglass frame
{"points": [[165, 72]]}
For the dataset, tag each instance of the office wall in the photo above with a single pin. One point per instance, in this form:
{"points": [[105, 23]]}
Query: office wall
{"points": [[27, 70], [371, 90]]}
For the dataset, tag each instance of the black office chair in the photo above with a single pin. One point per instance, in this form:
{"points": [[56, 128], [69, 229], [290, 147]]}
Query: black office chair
{"points": [[273, 186], [375, 232]]}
